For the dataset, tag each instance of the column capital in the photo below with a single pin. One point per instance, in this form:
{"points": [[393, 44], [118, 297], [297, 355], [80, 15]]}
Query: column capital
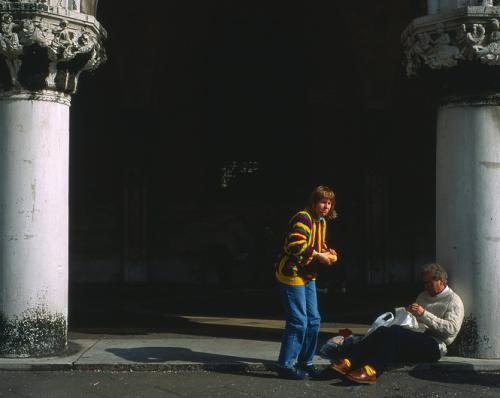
{"points": [[41, 95], [470, 100], [47, 47], [449, 40]]}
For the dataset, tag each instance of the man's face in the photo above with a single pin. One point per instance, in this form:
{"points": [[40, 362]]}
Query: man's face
{"points": [[431, 285]]}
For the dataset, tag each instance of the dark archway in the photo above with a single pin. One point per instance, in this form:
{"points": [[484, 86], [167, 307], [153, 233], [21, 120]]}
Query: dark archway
{"points": [[212, 121]]}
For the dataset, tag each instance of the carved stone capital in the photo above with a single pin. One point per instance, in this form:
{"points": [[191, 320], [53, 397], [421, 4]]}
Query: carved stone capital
{"points": [[42, 95], [469, 100], [465, 36], [46, 47]]}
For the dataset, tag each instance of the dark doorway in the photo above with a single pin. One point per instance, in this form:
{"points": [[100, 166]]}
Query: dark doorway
{"points": [[213, 120]]}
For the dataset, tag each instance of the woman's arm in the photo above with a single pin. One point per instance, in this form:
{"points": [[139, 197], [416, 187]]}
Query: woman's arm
{"points": [[299, 233]]}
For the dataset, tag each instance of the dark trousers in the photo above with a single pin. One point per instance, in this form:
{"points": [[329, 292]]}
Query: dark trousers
{"points": [[394, 344]]}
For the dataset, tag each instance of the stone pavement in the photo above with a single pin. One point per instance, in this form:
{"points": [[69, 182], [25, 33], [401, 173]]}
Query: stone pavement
{"points": [[141, 350], [235, 384]]}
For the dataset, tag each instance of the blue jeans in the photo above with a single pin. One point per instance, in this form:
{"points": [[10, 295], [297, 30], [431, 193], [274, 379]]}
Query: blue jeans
{"points": [[302, 324]]}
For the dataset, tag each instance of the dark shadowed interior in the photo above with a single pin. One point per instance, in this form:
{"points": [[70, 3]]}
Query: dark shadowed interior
{"points": [[213, 120]]}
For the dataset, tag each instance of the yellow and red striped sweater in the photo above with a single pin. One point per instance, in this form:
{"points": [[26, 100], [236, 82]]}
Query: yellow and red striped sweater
{"points": [[305, 238]]}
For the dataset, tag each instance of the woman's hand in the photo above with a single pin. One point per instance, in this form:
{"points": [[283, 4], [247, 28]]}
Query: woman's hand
{"points": [[324, 258], [328, 257], [332, 255]]}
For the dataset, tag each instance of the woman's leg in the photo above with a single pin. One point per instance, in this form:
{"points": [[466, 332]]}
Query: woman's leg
{"points": [[313, 324], [294, 304]]}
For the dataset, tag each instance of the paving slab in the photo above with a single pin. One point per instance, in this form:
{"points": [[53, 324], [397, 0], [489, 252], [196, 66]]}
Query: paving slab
{"points": [[145, 350], [190, 352], [458, 364], [64, 362]]}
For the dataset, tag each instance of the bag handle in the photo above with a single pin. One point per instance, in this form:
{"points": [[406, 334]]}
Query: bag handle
{"points": [[382, 320]]}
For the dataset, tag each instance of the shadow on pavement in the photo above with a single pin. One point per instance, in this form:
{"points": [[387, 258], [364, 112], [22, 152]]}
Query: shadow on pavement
{"points": [[358, 305], [182, 326], [465, 375], [164, 354], [139, 309]]}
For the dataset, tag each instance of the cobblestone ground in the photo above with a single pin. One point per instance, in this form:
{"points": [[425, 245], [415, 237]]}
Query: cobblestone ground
{"points": [[77, 384]]}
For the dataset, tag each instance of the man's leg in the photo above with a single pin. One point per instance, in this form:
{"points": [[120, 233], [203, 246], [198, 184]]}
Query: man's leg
{"points": [[369, 358], [294, 304], [371, 346], [395, 344], [418, 347]]}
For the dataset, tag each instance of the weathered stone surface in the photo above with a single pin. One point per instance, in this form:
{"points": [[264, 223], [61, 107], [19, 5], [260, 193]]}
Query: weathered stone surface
{"points": [[34, 148], [37, 332], [45, 47], [452, 39], [456, 50]]}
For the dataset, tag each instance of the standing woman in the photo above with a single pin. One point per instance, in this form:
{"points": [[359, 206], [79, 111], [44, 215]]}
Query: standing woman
{"points": [[296, 270]]}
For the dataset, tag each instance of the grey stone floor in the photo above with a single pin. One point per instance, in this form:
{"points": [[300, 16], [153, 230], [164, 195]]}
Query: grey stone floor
{"points": [[86, 384]]}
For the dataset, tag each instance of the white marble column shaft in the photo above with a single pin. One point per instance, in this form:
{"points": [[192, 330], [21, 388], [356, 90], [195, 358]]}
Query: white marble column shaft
{"points": [[437, 6], [468, 216], [34, 164]]}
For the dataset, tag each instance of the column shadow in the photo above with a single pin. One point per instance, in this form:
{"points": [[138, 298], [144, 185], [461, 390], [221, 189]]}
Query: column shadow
{"points": [[203, 360], [465, 374]]}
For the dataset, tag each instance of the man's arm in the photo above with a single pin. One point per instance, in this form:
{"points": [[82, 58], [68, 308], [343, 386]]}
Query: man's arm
{"points": [[449, 325]]}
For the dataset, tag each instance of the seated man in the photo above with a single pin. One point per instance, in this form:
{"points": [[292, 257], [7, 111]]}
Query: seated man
{"points": [[438, 308]]}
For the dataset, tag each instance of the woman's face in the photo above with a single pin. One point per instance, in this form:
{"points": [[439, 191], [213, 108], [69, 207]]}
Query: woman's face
{"points": [[322, 208]]}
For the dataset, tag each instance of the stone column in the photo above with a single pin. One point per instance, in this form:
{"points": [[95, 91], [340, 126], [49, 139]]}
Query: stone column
{"points": [[458, 53], [44, 49]]}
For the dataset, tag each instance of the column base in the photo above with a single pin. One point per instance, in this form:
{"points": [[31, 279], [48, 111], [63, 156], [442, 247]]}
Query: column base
{"points": [[36, 333]]}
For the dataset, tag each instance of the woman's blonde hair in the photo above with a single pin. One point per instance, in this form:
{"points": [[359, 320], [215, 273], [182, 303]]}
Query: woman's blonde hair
{"points": [[319, 193]]}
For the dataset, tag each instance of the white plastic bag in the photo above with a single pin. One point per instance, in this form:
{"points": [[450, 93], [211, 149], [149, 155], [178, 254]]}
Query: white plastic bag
{"points": [[402, 318], [405, 319], [385, 319]]}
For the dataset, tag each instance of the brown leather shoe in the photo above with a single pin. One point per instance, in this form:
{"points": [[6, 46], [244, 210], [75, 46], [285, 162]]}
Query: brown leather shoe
{"points": [[360, 376], [341, 367]]}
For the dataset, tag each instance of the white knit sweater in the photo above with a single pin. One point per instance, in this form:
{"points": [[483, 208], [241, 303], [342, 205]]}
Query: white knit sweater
{"points": [[443, 316]]}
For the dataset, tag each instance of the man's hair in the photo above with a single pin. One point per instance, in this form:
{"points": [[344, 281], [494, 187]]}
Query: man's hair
{"points": [[319, 193], [437, 271]]}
